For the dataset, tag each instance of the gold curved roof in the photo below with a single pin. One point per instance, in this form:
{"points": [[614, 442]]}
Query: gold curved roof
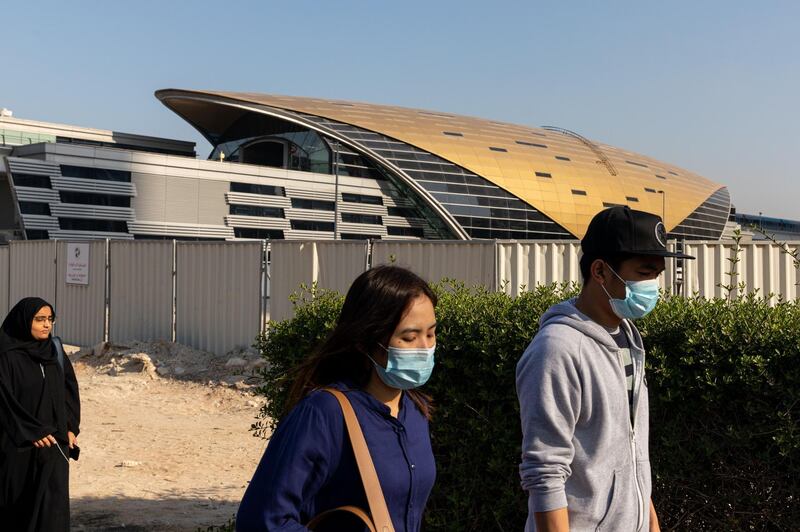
{"points": [[503, 154]]}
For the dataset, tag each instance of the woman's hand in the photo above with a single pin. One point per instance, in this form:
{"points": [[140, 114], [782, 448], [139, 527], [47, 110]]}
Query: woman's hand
{"points": [[73, 440], [47, 441]]}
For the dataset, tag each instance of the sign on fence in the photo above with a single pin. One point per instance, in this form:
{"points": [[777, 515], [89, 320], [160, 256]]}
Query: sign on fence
{"points": [[77, 263]]}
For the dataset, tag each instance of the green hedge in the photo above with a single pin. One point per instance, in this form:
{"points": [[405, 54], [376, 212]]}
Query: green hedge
{"points": [[724, 380]]}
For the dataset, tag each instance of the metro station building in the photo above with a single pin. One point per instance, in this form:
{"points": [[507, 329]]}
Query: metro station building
{"points": [[303, 168]]}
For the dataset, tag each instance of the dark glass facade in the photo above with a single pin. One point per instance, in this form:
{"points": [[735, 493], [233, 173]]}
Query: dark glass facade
{"points": [[354, 218], [357, 236], [405, 231], [85, 198], [36, 234], [306, 150], [264, 190], [257, 210], [707, 221], [85, 224], [30, 180], [123, 146], [103, 174], [362, 198], [267, 141], [31, 207], [309, 225], [260, 234], [312, 204], [483, 209]]}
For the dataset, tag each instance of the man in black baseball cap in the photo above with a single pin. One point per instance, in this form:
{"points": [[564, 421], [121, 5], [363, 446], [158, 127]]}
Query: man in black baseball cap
{"points": [[623, 231], [581, 386]]}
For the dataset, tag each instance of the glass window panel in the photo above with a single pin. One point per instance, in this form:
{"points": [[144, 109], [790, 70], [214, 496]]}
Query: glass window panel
{"points": [[257, 210], [85, 198], [80, 224], [356, 236], [37, 234], [355, 218], [260, 234], [312, 204], [102, 174], [31, 207], [361, 198], [405, 231], [30, 180], [309, 225], [250, 188]]}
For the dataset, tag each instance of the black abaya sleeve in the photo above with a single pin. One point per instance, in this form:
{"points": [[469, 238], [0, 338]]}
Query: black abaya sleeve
{"points": [[73, 398], [18, 424]]}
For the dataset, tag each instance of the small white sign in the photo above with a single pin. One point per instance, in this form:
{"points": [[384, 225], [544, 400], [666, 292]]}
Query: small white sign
{"points": [[77, 263]]}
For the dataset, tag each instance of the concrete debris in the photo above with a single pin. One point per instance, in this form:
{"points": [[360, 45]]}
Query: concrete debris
{"points": [[160, 359], [235, 362]]}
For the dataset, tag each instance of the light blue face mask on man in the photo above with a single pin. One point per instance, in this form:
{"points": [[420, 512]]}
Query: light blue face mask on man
{"points": [[406, 368], [640, 298]]}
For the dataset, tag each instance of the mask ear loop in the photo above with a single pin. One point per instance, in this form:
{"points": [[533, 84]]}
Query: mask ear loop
{"points": [[624, 282], [606, 291], [615, 273], [373, 360]]}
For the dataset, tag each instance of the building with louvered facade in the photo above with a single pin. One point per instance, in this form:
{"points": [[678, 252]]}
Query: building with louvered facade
{"points": [[304, 168]]}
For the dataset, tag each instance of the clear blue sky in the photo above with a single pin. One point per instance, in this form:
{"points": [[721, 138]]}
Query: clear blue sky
{"points": [[711, 86]]}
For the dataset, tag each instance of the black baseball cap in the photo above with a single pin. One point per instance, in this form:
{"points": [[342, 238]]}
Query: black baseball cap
{"points": [[624, 231]]}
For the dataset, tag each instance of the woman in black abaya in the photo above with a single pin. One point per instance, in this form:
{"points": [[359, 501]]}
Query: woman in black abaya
{"points": [[39, 418]]}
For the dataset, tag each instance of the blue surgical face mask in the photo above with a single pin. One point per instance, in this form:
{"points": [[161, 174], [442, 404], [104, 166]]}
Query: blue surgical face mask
{"points": [[406, 368], [640, 298]]}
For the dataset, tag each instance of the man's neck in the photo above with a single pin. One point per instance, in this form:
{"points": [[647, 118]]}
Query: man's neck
{"points": [[598, 310]]}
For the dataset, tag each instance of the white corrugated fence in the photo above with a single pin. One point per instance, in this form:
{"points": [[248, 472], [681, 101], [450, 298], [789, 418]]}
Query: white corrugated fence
{"points": [[218, 296], [210, 295], [141, 296]]}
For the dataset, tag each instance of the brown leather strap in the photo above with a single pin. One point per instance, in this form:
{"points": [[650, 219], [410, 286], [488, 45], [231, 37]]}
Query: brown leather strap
{"points": [[369, 477], [358, 512]]}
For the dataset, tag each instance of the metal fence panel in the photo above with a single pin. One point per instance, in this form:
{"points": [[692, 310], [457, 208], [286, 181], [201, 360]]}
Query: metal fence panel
{"points": [[788, 271], [140, 290], [332, 265], [32, 267], [218, 294], [523, 265], [81, 308], [765, 268], [769, 269], [470, 262], [5, 276]]}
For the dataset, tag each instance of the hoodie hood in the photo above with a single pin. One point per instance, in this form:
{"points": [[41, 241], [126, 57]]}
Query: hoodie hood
{"points": [[566, 313]]}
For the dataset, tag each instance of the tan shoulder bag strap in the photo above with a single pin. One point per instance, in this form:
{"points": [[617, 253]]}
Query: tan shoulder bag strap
{"points": [[369, 477]]}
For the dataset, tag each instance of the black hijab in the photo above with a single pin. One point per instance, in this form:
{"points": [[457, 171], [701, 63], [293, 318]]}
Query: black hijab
{"points": [[15, 333]]}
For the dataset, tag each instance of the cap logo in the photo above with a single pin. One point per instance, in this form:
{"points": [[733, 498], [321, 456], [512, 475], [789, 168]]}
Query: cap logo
{"points": [[661, 234]]}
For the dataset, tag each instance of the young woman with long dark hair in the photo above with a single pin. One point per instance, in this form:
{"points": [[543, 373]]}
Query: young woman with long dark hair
{"points": [[379, 352]]}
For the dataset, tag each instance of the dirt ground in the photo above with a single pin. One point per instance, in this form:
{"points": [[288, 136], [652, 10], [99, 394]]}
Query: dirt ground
{"points": [[165, 441]]}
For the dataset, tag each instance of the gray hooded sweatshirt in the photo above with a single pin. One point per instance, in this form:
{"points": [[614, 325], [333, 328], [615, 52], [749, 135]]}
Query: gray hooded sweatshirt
{"points": [[579, 448]]}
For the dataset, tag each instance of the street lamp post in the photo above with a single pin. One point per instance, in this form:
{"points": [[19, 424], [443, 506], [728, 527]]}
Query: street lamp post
{"points": [[335, 151], [663, 206]]}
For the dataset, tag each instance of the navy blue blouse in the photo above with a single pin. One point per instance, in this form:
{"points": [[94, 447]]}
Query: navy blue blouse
{"points": [[309, 466]]}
